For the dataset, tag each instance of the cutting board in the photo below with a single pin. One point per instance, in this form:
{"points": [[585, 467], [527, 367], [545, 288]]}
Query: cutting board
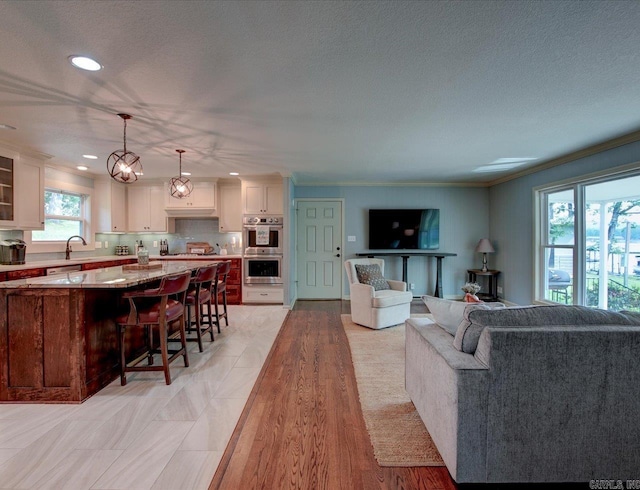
{"points": [[140, 267]]}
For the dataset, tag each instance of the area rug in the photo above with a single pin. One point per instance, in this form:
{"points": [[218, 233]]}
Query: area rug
{"points": [[398, 436]]}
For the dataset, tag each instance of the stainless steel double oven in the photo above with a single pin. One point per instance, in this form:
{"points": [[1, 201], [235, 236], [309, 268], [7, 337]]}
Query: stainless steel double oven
{"points": [[262, 237]]}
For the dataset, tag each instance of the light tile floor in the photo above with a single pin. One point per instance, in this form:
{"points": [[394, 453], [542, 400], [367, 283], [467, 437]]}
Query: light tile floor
{"points": [[145, 435]]}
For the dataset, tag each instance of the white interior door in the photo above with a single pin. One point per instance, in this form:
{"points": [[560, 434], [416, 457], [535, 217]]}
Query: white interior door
{"points": [[319, 249]]}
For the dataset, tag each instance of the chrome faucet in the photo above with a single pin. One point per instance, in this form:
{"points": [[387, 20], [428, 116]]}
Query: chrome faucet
{"points": [[67, 252]]}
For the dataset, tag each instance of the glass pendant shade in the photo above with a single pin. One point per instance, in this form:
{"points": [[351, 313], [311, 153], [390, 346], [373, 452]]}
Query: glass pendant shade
{"points": [[180, 186], [124, 166]]}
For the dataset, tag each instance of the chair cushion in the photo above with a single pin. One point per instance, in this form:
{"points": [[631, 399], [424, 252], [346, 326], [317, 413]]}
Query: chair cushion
{"points": [[371, 275], [205, 296], [390, 297], [151, 314]]}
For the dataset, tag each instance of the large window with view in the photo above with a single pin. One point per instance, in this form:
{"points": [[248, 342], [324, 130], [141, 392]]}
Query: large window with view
{"points": [[64, 216], [589, 243]]}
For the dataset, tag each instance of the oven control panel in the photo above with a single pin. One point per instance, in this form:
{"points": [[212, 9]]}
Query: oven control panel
{"points": [[263, 220]]}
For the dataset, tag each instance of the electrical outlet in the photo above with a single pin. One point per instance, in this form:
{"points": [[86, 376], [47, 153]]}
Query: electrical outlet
{"points": [[155, 244], [351, 238], [106, 244], [412, 286], [499, 289], [98, 244]]}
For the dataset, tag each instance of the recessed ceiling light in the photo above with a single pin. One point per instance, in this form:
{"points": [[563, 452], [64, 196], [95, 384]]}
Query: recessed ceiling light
{"points": [[519, 160], [90, 157], [6, 126], [185, 173], [497, 168], [85, 63], [234, 173], [82, 167]]}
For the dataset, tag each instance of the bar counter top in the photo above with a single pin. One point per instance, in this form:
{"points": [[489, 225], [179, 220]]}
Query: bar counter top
{"points": [[109, 277], [44, 264]]}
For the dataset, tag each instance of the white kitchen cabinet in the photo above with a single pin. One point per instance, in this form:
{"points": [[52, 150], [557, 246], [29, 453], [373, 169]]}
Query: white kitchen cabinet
{"points": [[262, 197], [146, 209], [110, 206], [230, 216], [30, 194], [201, 201]]}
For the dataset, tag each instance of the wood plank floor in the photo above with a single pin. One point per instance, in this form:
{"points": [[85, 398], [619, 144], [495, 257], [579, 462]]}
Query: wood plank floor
{"points": [[302, 426]]}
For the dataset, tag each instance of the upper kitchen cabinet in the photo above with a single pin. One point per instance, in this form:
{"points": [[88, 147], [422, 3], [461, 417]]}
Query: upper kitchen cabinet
{"points": [[30, 178], [230, 208], [201, 201], [21, 191], [262, 197], [111, 206], [146, 209]]}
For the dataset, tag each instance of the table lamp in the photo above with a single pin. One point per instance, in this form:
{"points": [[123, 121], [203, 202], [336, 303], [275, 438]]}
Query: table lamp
{"points": [[484, 247]]}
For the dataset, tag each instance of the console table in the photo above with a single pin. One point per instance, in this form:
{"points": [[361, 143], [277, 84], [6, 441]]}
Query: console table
{"points": [[405, 259]]}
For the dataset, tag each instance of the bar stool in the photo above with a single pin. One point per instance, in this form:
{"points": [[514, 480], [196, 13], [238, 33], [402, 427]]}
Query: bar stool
{"points": [[154, 307], [220, 289], [198, 295]]}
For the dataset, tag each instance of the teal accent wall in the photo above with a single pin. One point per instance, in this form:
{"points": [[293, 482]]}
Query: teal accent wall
{"points": [[464, 219], [511, 212]]}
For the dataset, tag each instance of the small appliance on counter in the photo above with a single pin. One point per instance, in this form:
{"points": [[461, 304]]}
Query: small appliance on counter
{"points": [[164, 247], [12, 251], [199, 248]]}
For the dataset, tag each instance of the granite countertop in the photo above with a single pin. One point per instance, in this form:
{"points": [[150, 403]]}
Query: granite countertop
{"points": [[109, 277], [44, 264]]}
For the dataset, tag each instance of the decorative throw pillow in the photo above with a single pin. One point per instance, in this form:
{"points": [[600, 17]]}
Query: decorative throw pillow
{"points": [[449, 313], [371, 275]]}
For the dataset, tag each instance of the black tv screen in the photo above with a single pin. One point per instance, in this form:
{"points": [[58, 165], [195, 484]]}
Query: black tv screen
{"points": [[404, 229]]}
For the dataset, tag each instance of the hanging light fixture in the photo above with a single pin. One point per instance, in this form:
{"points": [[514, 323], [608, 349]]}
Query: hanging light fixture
{"points": [[124, 166], [180, 186]]}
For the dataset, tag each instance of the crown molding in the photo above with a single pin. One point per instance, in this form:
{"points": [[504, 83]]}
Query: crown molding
{"points": [[392, 184], [24, 151], [570, 157]]}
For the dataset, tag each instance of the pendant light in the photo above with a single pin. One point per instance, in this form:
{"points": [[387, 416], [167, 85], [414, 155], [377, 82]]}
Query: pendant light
{"points": [[124, 166], [180, 187]]}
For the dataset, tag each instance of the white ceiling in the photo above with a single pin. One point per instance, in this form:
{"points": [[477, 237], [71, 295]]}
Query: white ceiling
{"points": [[324, 91]]}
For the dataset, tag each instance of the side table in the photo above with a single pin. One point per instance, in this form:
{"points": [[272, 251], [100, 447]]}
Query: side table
{"points": [[492, 275]]}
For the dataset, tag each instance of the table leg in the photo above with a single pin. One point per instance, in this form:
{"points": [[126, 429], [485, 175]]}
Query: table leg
{"points": [[438, 291], [405, 259]]}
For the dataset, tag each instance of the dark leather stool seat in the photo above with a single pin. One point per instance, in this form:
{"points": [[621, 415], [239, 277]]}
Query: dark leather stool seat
{"points": [[199, 295], [159, 307]]}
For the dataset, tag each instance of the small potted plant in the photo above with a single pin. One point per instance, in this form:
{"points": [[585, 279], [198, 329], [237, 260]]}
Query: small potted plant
{"points": [[471, 289]]}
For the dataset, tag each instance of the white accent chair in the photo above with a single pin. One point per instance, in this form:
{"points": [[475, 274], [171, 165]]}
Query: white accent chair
{"points": [[377, 309]]}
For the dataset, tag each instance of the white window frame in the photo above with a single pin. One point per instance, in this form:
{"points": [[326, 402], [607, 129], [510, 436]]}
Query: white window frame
{"points": [[540, 232], [87, 228]]}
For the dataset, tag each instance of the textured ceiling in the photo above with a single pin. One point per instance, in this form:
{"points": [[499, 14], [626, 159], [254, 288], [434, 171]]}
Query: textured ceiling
{"points": [[324, 91]]}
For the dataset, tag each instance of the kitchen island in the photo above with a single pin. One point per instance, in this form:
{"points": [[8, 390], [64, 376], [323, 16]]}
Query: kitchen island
{"points": [[57, 333]]}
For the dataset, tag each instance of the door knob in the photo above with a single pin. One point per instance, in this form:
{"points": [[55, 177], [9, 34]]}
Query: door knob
{"points": [[337, 255], [337, 248]]}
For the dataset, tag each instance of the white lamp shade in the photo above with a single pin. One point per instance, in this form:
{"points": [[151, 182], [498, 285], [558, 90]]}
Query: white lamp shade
{"points": [[484, 246]]}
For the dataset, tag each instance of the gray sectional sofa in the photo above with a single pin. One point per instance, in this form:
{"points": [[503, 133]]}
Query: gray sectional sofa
{"points": [[531, 394]]}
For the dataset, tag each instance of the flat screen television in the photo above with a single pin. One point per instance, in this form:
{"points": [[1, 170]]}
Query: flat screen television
{"points": [[404, 229]]}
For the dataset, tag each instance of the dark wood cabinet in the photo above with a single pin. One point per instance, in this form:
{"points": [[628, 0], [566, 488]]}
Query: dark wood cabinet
{"points": [[234, 280], [26, 273]]}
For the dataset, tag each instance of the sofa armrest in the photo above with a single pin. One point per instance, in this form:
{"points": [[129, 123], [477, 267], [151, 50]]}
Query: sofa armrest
{"points": [[397, 285]]}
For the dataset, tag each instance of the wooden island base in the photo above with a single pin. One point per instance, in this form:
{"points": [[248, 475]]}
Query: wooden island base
{"points": [[58, 345], [58, 338]]}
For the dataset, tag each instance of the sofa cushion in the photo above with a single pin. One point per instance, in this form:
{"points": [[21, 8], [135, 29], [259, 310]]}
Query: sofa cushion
{"points": [[391, 297], [475, 320], [371, 275], [449, 314]]}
